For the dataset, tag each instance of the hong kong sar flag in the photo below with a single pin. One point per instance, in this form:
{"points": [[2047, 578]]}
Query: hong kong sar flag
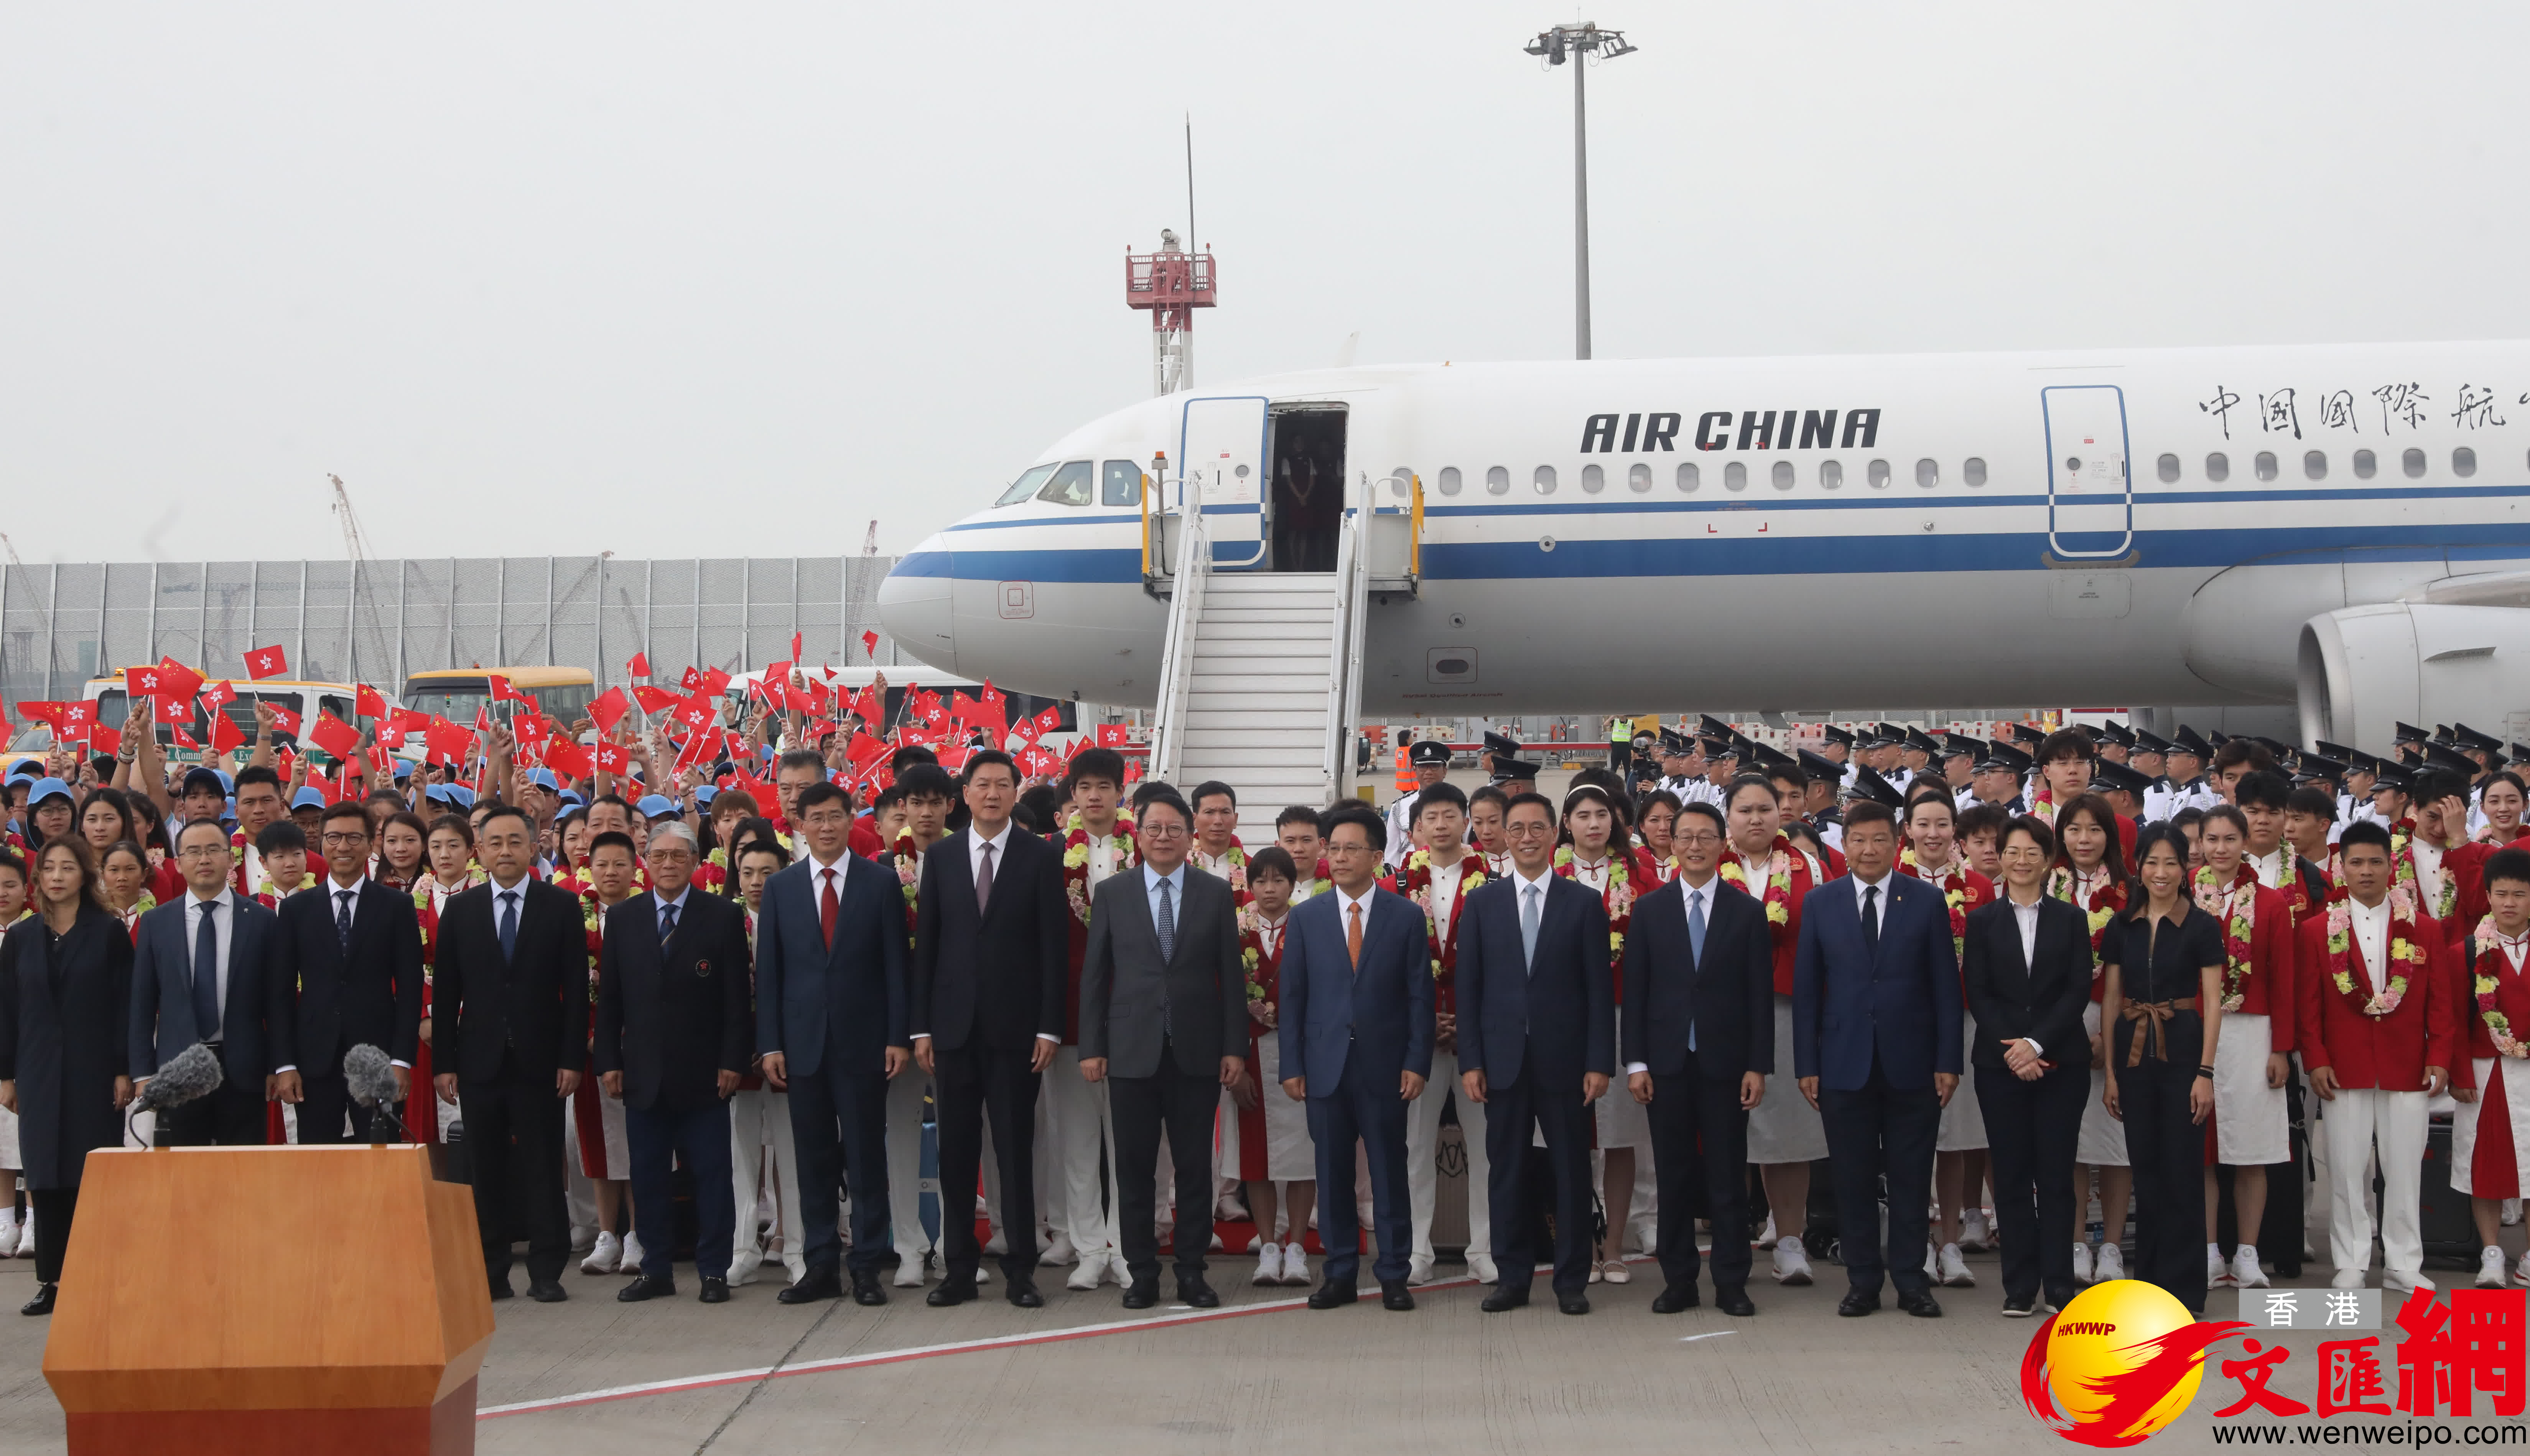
{"points": [[266, 662]]}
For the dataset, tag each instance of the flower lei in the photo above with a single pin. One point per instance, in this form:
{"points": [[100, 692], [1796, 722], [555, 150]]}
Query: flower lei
{"points": [[2404, 958], [1416, 885], [1251, 950], [2098, 908], [2238, 903], [2402, 857], [2499, 1027], [592, 919], [1779, 883], [1235, 866], [140, 908], [1955, 895], [1076, 861], [908, 861], [1618, 896]]}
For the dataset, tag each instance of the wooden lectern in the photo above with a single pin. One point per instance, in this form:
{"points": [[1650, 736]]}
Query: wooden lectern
{"points": [[285, 1299]]}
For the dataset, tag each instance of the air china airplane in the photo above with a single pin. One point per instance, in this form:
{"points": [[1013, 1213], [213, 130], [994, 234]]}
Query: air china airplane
{"points": [[2339, 527]]}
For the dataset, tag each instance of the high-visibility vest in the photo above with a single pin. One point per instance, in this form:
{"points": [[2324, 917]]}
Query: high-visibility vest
{"points": [[1405, 782]]}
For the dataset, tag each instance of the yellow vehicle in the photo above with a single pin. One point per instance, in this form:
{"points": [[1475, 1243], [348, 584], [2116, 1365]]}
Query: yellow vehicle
{"points": [[455, 692]]}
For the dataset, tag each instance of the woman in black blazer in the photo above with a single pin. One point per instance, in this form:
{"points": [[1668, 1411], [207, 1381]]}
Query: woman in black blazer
{"points": [[65, 1012], [2028, 971]]}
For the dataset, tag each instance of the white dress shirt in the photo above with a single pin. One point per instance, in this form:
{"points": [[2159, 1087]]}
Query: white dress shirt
{"points": [[1001, 847], [1344, 904], [1696, 895], [224, 935], [2371, 926], [1882, 885], [1445, 892], [2026, 917]]}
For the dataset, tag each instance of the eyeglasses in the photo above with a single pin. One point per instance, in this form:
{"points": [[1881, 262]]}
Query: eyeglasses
{"points": [[201, 851], [346, 836], [1708, 837], [1161, 831], [1528, 829]]}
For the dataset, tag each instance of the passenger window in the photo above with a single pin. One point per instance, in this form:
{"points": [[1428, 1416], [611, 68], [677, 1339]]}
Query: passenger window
{"points": [[2218, 467], [1449, 480], [1638, 479], [1026, 485], [1735, 476], [2263, 464], [1070, 485], [2463, 462], [2314, 464], [1830, 474], [2412, 460], [1544, 480], [1689, 476], [1400, 483], [2167, 468], [1498, 481], [1972, 470], [1927, 474], [1593, 479], [1119, 483], [2364, 464], [1878, 474], [1783, 474]]}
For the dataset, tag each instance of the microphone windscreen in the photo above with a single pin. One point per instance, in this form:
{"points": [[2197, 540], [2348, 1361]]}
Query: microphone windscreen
{"points": [[369, 1075], [189, 1074]]}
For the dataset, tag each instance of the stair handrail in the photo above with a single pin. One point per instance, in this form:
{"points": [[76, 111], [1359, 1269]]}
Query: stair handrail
{"points": [[1177, 649], [1344, 651]]}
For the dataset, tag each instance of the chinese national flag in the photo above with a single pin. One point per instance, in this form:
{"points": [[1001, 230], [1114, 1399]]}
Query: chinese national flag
{"points": [[795, 647], [868, 706], [447, 742], [266, 662], [334, 735], [952, 756], [178, 682], [639, 666], [654, 699], [49, 713], [405, 719], [226, 736], [219, 695], [613, 757], [567, 759], [284, 720], [368, 702], [715, 681], [482, 718], [1113, 736], [282, 760], [607, 709], [864, 749], [104, 740], [869, 643]]}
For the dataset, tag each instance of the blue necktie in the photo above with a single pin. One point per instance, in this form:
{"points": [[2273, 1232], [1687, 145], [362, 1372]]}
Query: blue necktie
{"points": [[206, 973], [508, 924], [667, 924], [1528, 898], [1694, 945], [343, 918]]}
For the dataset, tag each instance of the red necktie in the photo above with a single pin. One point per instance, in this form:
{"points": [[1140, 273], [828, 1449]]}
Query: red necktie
{"points": [[827, 909]]}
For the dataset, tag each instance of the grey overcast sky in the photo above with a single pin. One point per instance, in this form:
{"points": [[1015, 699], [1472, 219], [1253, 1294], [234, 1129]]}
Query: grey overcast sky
{"points": [[733, 280]]}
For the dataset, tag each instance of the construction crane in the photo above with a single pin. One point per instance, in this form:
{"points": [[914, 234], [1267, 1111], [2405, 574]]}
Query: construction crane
{"points": [[12, 546], [856, 607], [356, 548]]}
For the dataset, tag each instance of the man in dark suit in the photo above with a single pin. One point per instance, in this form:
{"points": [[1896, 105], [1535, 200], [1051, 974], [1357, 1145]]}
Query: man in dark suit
{"points": [[198, 968], [1876, 1047], [991, 962], [1164, 1024], [1537, 1043], [831, 1008], [1355, 1027], [1699, 1039], [346, 972], [674, 1035], [510, 1034]]}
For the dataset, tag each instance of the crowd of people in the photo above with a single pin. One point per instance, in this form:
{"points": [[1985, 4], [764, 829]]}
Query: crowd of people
{"points": [[2084, 967]]}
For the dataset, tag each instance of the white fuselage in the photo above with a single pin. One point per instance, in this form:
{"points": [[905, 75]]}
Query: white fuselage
{"points": [[1786, 532]]}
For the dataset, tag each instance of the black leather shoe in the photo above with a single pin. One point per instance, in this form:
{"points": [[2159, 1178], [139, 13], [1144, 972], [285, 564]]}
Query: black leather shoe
{"points": [[1022, 1291], [715, 1291], [1505, 1297], [1921, 1305], [43, 1302], [1857, 1304], [1193, 1290], [1576, 1303], [1732, 1299], [1394, 1295], [814, 1285], [547, 1291], [1677, 1297], [956, 1289], [866, 1290], [1335, 1294], [644, 1287], [501, 1287], [1143, 1293]]}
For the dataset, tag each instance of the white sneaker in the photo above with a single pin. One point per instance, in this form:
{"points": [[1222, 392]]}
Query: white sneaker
{"points": [[1767, 1240], [2520, 1270], [2109, 1263], [1791, 1265], [632, 1254], [2081, 1264], [1084, 1274], [1974, 1234], [2347, 1278], [1482, 1267], [909, 1268], [1269, 1266], [8, 1234], [983, 1271], [584, 1236], [1418, 1270], [2218, 1273], [2244, 1268], [27, 1236], [1226, 1208], [998, 1245], [1295, 1265], [2407, 1282], [2512, 1212], [605, 1258], [2490, 1267], [1057, 1252], [741, 1269], [1954, 1269]]}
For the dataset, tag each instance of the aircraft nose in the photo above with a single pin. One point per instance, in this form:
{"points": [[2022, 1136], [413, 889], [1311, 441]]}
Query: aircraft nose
{"points": [[914, 605]]}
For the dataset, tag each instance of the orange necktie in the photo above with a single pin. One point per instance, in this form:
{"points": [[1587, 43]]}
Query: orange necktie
{"points": [[1352, 936]]}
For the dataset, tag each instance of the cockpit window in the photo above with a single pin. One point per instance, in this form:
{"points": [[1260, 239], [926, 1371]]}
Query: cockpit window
{"points": [[1070, 485], [1121, 484], [1025, 486]]}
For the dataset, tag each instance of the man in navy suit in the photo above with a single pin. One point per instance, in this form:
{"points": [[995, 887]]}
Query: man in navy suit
{"points": [[1355, 1024], [197, 975], [831, 1011], [346, 972], [1876, 1047], [1537, 1043]]}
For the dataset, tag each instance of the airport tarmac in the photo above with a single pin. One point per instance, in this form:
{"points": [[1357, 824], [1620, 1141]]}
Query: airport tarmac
{"points": [[1263, 1374]]}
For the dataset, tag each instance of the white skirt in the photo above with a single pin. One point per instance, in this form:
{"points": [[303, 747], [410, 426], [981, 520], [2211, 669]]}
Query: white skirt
{"points": [[1289, 1155], [1623, 1122], [1784, 1127], [2102, 1143], [9, 1157], [2516, 1073], [1962, 1122], [2251, 1118]]}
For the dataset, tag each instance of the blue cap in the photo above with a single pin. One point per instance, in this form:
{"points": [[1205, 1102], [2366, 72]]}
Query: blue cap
{"points": [[33, 768], [21, 776], [543, 777], [307, 798], [45, 789], [571, 798], [402, 768], [654, 806], [464, 796], [228, 782], [443, 794]]}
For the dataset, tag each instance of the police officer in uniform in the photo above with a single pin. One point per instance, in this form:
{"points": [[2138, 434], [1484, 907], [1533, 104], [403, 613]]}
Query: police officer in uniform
{"points": [[2187, 789], [2145, 755], [1431, 763]]}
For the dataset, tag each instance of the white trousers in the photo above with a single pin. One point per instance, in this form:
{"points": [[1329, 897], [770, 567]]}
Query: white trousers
{"points": [[2354, 1124], [759, 1134], [1422, 1143], [905, 1095], [1075, 1126]]}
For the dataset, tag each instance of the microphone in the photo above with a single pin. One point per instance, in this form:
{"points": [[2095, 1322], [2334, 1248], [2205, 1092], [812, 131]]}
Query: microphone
{"points": [[370, 1078], [188, 1076]]}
